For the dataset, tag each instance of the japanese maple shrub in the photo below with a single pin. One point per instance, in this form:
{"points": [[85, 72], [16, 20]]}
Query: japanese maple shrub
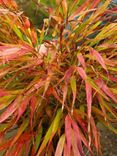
{"points": [[58, 82]]}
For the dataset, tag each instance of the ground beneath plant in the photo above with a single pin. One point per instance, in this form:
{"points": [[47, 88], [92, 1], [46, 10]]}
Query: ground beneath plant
{"points": [[109, 142]]}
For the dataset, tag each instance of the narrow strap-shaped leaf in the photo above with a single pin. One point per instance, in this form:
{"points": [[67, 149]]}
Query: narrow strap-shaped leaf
{"points": [[73, 87], [68, 134], [89, 98], [98, 57], [51, 131], [82, 73], [20, 131], [10, 110], [106, 89], [78, 138], [60, 146], [81, 60]]}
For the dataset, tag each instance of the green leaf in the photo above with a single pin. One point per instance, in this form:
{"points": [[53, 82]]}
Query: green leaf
{"points": [[38, 138], [73, 87], [18, 32], [51, 131]]}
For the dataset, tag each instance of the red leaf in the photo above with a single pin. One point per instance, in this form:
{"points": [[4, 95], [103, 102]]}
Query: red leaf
{"points": [[98, 57]]}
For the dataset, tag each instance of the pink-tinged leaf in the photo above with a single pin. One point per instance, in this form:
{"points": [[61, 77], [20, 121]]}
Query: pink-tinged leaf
{"points": [[81, 72], [8, 53], [98, 57], [81, 60], [10, 110], [3, 92], [60, 146], [5, 50], [74, 145], [35, 87], [89, 103], [89, 98], [68, 74], [65, 150], [111, 62], [68, 130], [78, 138], [22, 107], [106, 90]]}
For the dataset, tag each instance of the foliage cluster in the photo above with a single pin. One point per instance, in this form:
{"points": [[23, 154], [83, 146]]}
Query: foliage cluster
{"points": [[54, 91]]}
